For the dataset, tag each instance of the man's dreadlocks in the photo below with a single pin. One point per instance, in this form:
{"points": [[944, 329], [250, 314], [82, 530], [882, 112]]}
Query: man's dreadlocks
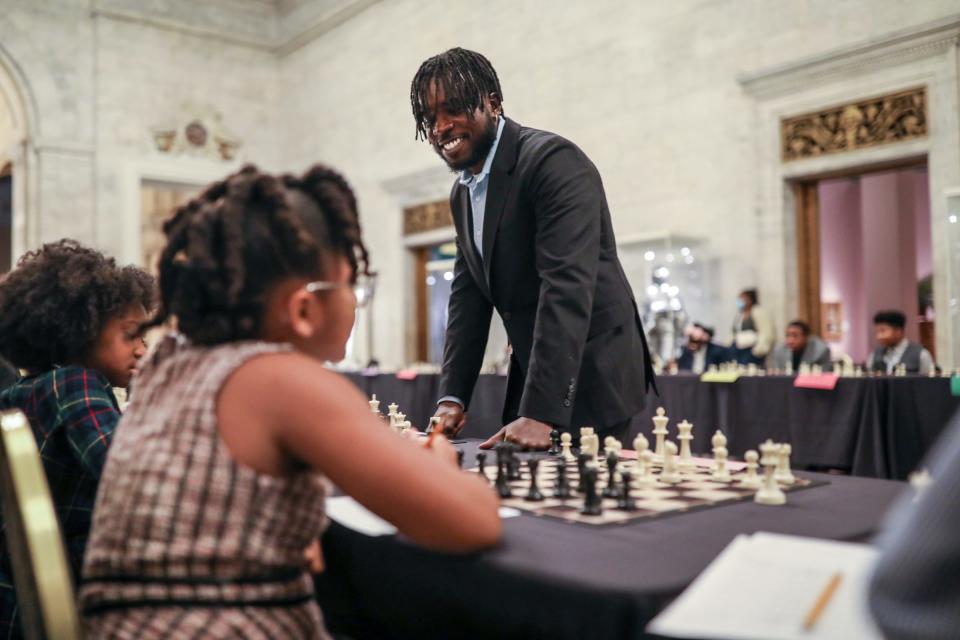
{"points": [[466, 78]]}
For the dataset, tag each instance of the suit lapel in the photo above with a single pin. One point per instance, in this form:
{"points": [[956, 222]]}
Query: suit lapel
{"points": [[467, 246], [501, 181]]}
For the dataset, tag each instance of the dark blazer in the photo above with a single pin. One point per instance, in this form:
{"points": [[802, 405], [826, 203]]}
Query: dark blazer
{"points": [[716, 354], [552, 273]]}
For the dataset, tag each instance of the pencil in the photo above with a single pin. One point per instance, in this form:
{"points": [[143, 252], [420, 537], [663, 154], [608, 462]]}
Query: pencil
{"points": [[817, 610]]}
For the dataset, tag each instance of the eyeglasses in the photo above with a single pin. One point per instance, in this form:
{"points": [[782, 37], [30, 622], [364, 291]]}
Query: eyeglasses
{"points": [[362, 289]]}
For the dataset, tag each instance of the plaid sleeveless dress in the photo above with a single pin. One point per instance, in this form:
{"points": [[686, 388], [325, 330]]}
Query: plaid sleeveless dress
{"points": [[187, 542]]}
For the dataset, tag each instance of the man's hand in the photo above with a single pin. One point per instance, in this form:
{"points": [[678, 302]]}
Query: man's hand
{"points": [[526, 432], [452, 418]]}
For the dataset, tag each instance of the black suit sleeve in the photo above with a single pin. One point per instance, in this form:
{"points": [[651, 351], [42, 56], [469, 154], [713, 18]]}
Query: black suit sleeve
{"points": [[567, 199], [468, 326]]}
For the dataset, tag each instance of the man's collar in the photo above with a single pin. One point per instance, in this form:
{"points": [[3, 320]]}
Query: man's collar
{"points": [[466, 177]]}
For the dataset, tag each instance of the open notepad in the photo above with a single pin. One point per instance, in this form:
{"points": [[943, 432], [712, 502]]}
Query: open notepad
{"points": [[763, 586]]}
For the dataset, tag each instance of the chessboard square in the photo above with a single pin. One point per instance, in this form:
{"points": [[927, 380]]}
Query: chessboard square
{"points": [[714, 495], [699, 485], [608, 515], [651, 494], [663, 505]]}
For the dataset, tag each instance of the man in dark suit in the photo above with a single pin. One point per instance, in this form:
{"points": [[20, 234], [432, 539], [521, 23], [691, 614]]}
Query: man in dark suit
{"points": [[534, 242], [701, 351]]}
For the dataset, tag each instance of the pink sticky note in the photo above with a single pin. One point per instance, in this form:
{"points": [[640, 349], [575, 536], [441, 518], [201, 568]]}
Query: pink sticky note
{"points": [[406, 374], [826, 381]]}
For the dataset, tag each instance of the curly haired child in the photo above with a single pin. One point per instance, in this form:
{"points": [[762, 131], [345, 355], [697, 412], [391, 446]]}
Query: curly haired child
{"points": [[71, 318], [226, 448]]}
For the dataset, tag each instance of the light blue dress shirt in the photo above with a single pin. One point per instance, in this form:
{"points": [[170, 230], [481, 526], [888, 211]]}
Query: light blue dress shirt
{"points": [[477, 184]]}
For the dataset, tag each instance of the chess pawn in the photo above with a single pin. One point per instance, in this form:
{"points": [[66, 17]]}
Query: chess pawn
{"points": [[660, 431], [804, 369], [816, 369], [720, 471], [751, 480], [670, 474], [712, 368], [686, 464], [770, 492], [566, 441], [640, 444], [645, 477], [783, 474], [718, 440], [789, 369], [608, 446]]}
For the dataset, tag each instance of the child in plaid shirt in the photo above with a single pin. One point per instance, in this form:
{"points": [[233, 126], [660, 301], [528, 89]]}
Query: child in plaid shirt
{"points": [[217, 477], [69, 317]]}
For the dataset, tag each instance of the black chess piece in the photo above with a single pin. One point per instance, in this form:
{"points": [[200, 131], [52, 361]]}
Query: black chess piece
{"points": [[610, 491], [502, 484], [554, 442], [592, 503], [481, 464], [561, 488], [582, 460], [624, 500], [460, 458], [533, 493], [513, 466]]}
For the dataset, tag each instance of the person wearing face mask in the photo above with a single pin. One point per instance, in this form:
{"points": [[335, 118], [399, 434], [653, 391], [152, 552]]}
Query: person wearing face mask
{"points": [[701, 351], [753, 335]]}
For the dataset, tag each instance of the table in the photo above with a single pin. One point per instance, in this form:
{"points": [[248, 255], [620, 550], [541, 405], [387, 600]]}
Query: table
{"points": [[559, 580], [873, 427]]}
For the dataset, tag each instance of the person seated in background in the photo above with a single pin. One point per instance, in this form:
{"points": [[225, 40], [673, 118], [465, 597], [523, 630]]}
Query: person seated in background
{"points": [[70, 318], [801, 347], [215, 487], [889, 328], [752, 330], [700, 351], [915, 589]]}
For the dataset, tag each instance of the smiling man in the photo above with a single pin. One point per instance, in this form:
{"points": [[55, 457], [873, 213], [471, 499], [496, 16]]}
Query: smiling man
{"points": [[535, 242]]}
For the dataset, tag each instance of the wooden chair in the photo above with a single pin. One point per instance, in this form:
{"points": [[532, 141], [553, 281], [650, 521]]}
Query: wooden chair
{"points": [[41, 575]]}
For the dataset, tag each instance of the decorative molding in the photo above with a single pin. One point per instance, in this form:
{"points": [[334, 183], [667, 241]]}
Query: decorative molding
{"points": [[197, 131], [322, 24], [856, 125], [426, 217], [908, 45]]}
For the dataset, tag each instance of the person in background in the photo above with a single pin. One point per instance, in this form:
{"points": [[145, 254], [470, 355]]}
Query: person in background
{"points": [[752, 330], [801, 347], [701, 351], [914, 592], [70, 318], [889, 328]]}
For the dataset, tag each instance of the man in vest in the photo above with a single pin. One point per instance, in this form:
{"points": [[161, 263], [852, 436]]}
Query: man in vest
{"points": [[895, 349]]}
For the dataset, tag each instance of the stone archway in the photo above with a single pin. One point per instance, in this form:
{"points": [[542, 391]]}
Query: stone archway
{"points": [[17, 157]]}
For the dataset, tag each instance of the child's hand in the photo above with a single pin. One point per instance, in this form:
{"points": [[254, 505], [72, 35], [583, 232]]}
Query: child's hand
{"points": [[313, 557], [439, 445]]}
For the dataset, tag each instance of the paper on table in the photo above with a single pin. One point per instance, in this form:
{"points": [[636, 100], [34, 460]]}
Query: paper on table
{"points": [[763, 586], [354, 515]]}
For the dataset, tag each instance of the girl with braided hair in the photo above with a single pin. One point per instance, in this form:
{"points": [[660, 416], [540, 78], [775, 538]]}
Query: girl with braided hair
{"points": [[220, 469]]}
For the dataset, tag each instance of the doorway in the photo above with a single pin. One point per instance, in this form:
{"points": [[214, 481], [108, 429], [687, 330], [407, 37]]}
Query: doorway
{"points": [[864, 244]]}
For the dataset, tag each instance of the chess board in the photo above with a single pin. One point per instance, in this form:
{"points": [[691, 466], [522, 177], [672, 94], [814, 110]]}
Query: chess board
{"points": [[696, 491]]}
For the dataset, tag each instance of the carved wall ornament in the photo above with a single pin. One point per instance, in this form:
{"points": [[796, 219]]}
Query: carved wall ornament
{"points": [[866, 123], [426, 217], [196, 131]]}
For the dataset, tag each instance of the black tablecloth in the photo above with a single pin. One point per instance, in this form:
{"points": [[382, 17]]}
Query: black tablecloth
{"points": [[552, 579], [873, 427]]}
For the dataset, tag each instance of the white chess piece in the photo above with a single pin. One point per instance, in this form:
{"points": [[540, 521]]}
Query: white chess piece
{"points": [[804, 369], [816, 369], [608, 446], [660, 431], [566, 441], [670, 474], [770, 493], [645, 476], [712, 368], [789, 369], [686, 464], [751, 480], [719, 473], [783, 474], [374, 405]]}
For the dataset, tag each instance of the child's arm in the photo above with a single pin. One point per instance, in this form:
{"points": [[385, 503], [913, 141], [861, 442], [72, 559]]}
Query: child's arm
{"points": [[320, 419], [88, 415]]}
